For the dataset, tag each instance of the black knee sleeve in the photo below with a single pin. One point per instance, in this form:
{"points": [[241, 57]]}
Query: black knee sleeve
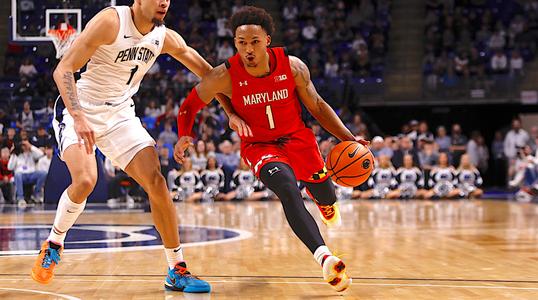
{"points": [[323, 192]]}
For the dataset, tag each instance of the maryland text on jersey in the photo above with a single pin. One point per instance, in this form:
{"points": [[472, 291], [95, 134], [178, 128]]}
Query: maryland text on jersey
{"points": [[265, 97]]}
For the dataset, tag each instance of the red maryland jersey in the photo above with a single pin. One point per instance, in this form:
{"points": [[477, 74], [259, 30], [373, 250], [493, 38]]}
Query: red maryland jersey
{"points": [[269, 105]]}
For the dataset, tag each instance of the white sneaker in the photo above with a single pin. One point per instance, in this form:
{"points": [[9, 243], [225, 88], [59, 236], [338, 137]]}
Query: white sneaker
{"points": [[334, 272]]}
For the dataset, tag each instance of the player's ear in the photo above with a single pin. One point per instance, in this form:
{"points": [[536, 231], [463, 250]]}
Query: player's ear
{"points": [[268, 40]]}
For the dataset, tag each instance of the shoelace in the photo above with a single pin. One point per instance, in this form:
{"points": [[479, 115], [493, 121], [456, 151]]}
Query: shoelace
{"points": [[183, 272], [51, 255], [327, 210]]}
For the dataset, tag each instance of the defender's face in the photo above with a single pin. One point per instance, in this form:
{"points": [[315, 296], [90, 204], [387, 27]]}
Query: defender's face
{"points": [[251, 42], [155, 10]]}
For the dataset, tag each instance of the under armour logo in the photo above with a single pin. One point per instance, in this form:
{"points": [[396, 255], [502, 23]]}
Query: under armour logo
{"points": [[242, 83], [273, 171], [182, 112], [156, 42]]}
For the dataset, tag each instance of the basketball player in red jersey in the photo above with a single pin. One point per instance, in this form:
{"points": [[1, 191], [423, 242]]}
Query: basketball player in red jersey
{"points": [[265, 86]]}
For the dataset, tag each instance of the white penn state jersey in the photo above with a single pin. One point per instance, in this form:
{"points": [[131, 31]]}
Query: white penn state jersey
{"points": [[114, 71]]}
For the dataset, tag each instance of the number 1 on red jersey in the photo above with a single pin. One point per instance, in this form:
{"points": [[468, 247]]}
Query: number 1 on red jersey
{"points": [[269, 114]]}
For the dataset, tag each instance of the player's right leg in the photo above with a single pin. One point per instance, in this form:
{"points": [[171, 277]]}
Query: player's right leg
{"points": [[280, 178], [83, 170]]}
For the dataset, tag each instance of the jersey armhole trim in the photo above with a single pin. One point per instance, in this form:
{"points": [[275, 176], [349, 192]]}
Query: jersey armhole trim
{"points": [[227, 64], [285, 51]]}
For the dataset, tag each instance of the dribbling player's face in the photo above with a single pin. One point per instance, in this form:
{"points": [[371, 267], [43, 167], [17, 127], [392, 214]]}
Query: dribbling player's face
{"points": [[155, 10], [251, 42]]}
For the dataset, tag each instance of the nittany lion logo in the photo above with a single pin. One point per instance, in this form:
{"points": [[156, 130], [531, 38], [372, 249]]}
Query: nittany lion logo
{"points": [[27, 239]]}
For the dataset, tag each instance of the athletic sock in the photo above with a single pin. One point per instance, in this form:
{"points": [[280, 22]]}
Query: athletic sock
{"points": [[173, 256], [321, 253], [66, 215]]}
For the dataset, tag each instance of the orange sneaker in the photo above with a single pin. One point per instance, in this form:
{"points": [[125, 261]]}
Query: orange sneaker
{"points": [[330, 214], [43, 270]]}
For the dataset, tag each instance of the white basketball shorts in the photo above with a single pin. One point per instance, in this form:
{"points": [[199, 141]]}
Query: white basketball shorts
{"points": [[119, 134]]}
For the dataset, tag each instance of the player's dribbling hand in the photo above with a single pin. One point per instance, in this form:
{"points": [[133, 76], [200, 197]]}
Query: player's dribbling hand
{"points": [[237, 124], [362, 141], [181, 146], [85, 134]]}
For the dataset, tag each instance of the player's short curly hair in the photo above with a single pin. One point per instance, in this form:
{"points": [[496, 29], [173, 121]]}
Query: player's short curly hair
{"points": [[250, 15]]}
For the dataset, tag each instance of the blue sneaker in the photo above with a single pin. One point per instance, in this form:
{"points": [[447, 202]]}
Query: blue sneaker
{"points": [[181, 280]]}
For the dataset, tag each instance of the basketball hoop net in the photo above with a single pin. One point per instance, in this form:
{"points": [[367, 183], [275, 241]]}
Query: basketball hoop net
{"points": [[62, 38]]}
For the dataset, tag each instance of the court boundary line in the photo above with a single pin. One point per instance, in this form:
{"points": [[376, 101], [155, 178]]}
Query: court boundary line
{"points": [[295, 277], [401, 285]]}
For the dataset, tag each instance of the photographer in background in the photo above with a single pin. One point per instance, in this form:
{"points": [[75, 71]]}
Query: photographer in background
{"points": [[23, 163], [525, 174]]}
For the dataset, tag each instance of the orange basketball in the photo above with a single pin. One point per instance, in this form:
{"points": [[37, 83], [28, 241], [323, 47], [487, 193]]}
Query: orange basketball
{"points": [[350, 163]]}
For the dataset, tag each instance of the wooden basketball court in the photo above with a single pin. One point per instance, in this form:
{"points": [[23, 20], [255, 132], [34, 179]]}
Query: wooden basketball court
{"points": [[393, 250]]}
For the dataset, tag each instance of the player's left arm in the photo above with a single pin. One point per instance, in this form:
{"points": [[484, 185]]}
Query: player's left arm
{"points": [[176, 46], [315, 104]]}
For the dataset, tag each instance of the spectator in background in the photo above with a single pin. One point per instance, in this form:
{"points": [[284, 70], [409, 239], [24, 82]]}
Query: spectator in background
{"points": [[442, 140], [331, 68], [516, 64], [199, 156], [459, 144], [6, 177], [46, 113], [499, 63], [27, 69], [42, 138], [428, 156], [167, 136], [224, 51], [290, 11], [228, 159], [43, 164], [497, 40], [222, 26], [477, 152], [424, 132], [152, 110], [413, 132], [515, 139], [310, 31], [23, 89], [377, 146], [391, 145], [11, 138], [406, 147], [23, 164], [26, 119]]}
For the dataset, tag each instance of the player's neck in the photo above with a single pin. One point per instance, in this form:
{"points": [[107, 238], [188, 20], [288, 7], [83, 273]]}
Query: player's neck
{"points": [[262, 69], [142, 25]]}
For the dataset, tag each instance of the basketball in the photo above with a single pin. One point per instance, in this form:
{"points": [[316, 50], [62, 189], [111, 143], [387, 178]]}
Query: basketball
{"points": [[350, 163]]}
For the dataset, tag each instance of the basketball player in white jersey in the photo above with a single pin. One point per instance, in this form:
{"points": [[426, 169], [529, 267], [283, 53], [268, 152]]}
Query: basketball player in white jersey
{"points": [[121, 43]]}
